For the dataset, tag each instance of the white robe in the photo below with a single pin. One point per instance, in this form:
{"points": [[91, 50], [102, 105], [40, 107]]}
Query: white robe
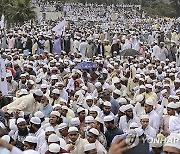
{"points": [[3, 84]]}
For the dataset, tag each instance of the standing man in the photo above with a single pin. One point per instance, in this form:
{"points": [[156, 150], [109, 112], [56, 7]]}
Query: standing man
{"points": [[3, 82]]}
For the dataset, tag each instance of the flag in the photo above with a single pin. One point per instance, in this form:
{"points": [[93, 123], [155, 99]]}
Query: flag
{"points": [[59, 28]]}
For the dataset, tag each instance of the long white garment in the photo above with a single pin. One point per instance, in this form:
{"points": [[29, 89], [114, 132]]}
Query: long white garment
{"points": [[3, 84]]}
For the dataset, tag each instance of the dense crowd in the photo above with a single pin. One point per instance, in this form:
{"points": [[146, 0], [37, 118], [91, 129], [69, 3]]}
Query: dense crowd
{"points": [[109, 82]]}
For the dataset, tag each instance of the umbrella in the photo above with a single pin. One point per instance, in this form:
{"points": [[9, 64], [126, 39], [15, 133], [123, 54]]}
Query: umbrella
{"points": [[129, 52], [86, 65]]}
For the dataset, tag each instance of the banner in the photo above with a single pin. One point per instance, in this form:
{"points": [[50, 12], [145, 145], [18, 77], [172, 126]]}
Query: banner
{"points": [[59, 28]]}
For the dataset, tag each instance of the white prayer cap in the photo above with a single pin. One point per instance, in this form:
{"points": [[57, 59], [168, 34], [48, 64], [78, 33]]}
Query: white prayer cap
{"points": [[65, 108], [23, 75], [90, 146], [56, 105], [72, 129], [142, 87], [38, 93], [178, 104], [54, 148], [89, 119], [108, 118], [80, 109], [122, 108], [98, 84], [141, 58], [31, 82], [139, 98], [84, 88], [148, 86], [127, 107], [8, 75], [35, 120], [177, 80], [75, 122], [53, 138], [31, 139], [23, 92], [164, 91], [159, 84], [62, 126], [115, 80], [149, 101], [122, 100], [100, 120], [30, 152], [137, 76], [134, 125], [38, 80], [104, 71], [54, 77], [172, 105], [173, 140], [89, 97], [6, 138], [39, 114], [117, 91], [144, 116], [59, 83], [56, 91], [56, 113], [20, 120], [141, 79], [94, 131], [44, 86], [49, 129], [107, 103]]}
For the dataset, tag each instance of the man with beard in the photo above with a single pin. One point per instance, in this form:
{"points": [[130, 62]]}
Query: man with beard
{"points": [[30, 143], [37, 131], [106, 110], [22, 82], [112, 129], [22, 132], [54, 121], [12, 85], [128, 118], [63, 92], [76, 144], [28, 104]]}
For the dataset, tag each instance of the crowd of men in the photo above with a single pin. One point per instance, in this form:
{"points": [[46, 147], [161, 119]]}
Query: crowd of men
{"points": [[77, 92]]}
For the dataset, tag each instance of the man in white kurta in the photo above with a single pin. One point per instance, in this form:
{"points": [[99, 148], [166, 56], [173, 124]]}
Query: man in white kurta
{"points": [[3, 82]]}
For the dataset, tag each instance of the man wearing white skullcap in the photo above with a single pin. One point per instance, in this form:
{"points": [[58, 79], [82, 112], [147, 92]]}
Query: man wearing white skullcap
{"points": [[93, 138], [172, 144], [148, 130], [154, 119], [55, 97], [30, 142], [90, 148], [151, 94], [22, 131], [112, 129], [28, 103], [106, 110], [139, 107], [171, 111], [63, 92], [15, 150], [128, 118], [54, 121], [76, 144], [37, 131], [53, 138]]}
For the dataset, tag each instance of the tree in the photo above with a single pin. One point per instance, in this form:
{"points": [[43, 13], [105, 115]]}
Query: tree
{"points": [[17, 11], [176, 5]]}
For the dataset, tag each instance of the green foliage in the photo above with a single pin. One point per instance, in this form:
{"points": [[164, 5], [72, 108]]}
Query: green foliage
{"points": [[17, 11]]}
